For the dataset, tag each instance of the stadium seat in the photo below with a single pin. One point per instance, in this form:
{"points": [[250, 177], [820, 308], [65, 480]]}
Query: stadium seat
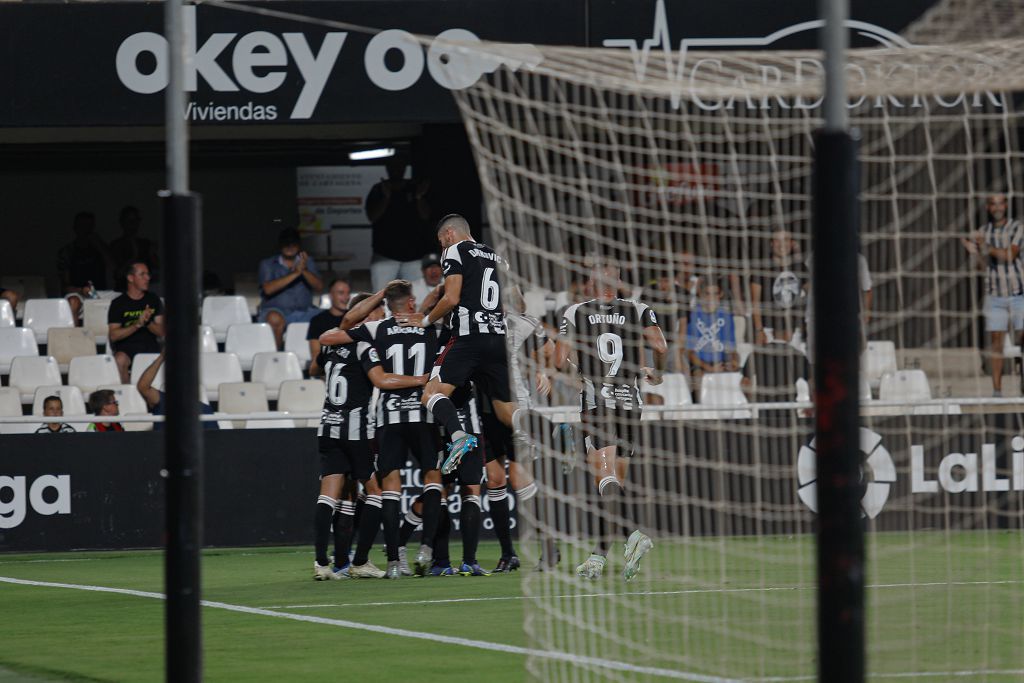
{"points": [[245, 340], [130, 402], [207, 340], [94, 318], [71, 397], [296, 342], [10, 406], [242, 397], [865, 388], [65, 343], [89, 372], [301, 396], [274, 367], [723, 389], [911, 386], [216, 369], [675, 390], [42, 314], [270, 424], [29, 372], [878, 359], [6, 314], [139, 365], [247, 285], [14, 342], [27, 287], [221, 312]]}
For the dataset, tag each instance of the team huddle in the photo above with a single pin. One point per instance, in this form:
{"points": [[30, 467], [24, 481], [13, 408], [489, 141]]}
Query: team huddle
{"points": [[435, 389]]}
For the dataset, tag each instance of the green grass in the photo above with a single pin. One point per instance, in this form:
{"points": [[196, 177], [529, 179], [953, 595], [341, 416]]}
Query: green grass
{"points": [[737, 608]]}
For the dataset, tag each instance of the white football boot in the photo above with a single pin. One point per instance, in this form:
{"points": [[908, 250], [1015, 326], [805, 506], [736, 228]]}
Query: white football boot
{"points": [[638, 545]]}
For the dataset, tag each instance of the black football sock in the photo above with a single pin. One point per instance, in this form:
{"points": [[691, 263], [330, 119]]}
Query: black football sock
{"points": [[369, 524], [344, 526], [322, 528], [497, 502], [444, 412], [469, 519], [442, 556], [391, 512], [431, 498]]}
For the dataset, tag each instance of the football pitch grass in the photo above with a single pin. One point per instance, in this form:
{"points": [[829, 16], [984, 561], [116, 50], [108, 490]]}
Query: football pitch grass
{"points": [[941, 606]]}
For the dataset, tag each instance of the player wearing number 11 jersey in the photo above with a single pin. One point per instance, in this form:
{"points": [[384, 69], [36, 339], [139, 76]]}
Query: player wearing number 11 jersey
{"points": [[605, 338]]}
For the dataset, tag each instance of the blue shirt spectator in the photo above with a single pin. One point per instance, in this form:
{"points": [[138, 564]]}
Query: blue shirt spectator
{"points": [[711, 333], [288, 282]]}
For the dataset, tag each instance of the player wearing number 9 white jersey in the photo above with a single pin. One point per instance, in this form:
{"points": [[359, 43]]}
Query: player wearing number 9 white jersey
{"points": [[605, 338]]}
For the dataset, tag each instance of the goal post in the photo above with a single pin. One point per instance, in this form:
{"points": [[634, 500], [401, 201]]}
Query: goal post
{"points": [[691, 168]]}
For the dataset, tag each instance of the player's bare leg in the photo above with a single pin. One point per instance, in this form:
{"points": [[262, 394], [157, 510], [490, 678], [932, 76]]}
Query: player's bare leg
{"points": [[437, 399], [330, 491]]}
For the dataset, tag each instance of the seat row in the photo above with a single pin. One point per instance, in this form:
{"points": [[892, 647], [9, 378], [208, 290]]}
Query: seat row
{"points": [[88, 373]]}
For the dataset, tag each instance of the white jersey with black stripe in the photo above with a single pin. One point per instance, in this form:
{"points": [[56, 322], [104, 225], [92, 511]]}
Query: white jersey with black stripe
{"points": [[479, 310]]}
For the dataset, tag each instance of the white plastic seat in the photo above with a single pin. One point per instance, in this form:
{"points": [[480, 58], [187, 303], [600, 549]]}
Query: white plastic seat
{"points": [[296, 342], [139, 365], [27, 287], [242, 397], [878, 359], [14, 342], [274, 368], [301, 396], [675, 391], [207, 340], [71, 397], [247, 285], [130, 402], [94, 318], [865, 389], [216, 369], [30, 372], [245, 340], [10, 406], [221, 312], [905, 385], [42, 314], [270, 424], [65, 343], [723, 389], [6, 314], [89, 372]]}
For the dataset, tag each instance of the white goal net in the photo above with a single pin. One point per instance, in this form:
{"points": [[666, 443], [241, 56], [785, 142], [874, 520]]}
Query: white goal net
{"points": [[691, 170]]}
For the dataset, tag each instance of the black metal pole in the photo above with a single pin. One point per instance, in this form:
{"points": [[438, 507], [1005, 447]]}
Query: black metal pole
{"points": [[837, 409], [183, 439]]}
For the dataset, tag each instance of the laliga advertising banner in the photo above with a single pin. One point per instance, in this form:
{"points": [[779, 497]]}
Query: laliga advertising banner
{"points": [[106, 64]]}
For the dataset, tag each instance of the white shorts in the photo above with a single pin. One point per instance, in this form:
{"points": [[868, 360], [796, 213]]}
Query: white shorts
{"points": [[1001, 310]]}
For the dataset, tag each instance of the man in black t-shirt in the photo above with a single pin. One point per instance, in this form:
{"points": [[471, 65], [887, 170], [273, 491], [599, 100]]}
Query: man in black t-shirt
{"points": [[339, 292], [135, 322], [398, 210], [778, 292]]}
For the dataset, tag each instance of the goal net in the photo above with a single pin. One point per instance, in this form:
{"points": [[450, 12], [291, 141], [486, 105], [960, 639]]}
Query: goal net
{"points": [[690, 169]]}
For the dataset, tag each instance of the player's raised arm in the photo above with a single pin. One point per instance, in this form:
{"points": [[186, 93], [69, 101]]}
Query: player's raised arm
{"points": [[361, 307], [655, 340], [335, 337]]}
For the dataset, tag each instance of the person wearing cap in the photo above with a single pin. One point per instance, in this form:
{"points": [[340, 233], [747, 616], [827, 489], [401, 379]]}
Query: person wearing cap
{"points": [[288, 282], [432, 277]]}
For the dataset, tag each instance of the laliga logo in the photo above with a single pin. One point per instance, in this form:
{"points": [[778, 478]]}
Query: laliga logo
{"points": [[260, 59], [13, 511], [878, 461]]}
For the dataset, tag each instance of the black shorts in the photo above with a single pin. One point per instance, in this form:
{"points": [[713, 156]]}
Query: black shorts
{"points": [[604, 427], [341, 456], [497, 438], [480, 358], [398, 443]]}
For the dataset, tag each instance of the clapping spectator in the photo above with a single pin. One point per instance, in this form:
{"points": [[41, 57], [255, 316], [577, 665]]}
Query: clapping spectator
{"points": [[710, 335], [339, 293], [135, 321], [287, 284], [103, 403], [54, 407]]}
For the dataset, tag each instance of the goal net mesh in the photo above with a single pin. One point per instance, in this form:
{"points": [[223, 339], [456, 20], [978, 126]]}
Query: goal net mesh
{"points": [[691, 170]]}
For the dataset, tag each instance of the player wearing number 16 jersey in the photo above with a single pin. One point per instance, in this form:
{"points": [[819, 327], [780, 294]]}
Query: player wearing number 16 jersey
{"points": [[606, 339], [476, 351]]}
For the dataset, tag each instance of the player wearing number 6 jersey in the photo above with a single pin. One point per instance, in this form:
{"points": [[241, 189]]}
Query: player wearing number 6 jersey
{"points": [[605, 338]]}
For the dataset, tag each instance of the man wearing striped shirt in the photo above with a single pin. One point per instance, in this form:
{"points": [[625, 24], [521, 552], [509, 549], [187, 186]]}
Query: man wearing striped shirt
{"points": [[996, 248]]}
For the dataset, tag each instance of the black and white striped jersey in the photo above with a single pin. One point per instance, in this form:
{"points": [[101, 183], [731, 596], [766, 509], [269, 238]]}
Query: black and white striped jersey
{"points": [[402, 351], [526, 336], [479, 310], [608, 337], [346, 413]]}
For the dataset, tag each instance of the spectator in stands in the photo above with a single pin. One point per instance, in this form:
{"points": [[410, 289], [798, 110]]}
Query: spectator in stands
{"points": [[866, 299], [103, 403], [135, 321], [672, 294], [432, 277], [11, 297], [399, 211], [996, 248], [54, 407], [339, 292], [129, 247], [778, 289], [83, 265], [155, 398], [710, 335], [288, 282]]}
